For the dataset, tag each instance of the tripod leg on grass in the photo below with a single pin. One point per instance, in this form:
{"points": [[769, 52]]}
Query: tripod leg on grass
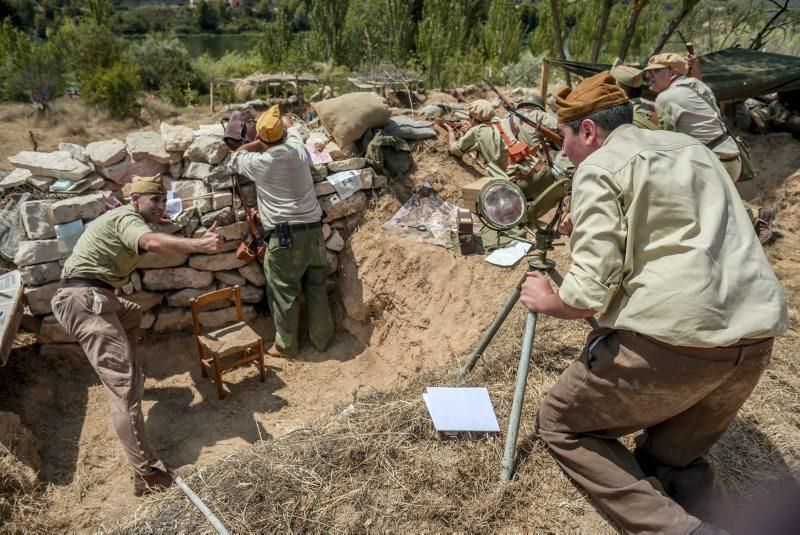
{"points": [[490, 332], [507, 468]]}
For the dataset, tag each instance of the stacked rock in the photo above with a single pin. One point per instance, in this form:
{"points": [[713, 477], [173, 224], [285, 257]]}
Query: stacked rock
{"points": [[190, 161]]}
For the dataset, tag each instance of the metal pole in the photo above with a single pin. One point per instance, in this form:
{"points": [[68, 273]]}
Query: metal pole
{"points": [[490, 332], [507, 468], [222, 530]]}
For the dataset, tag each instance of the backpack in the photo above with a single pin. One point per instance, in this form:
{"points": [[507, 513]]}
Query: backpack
{"points": [[239, 129]]}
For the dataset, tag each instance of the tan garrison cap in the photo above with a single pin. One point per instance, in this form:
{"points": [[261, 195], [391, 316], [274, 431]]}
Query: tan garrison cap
{"points": [[625, 74], [481, 110], [151, 185], [269, 126], [593, 94], [669, 59]]}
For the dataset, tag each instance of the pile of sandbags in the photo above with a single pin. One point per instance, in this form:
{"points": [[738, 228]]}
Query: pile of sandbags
{"points": [[190, 163]]}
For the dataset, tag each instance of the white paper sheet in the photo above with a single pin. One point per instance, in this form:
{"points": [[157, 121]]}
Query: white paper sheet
{"points": [[510, 254], [346, 183], [174, 205], [461, 409]]}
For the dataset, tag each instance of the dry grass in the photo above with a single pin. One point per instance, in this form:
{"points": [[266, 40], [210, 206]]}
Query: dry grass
{"points": [[20, 503], [378, 465]]}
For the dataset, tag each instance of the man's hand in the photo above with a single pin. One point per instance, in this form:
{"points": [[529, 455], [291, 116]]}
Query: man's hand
{"points": [[565, 226], [287, 121], [536, 291], [211, 241]]}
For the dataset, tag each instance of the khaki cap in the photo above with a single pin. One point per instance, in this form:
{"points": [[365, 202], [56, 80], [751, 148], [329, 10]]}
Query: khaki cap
{"points": [[148, 185], [481, 110], [269, 126], [669, 59], [625, 74], [596, 93]]}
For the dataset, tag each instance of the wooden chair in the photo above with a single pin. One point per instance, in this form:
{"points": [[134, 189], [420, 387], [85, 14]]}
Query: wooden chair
{"points": [[227, 347]]}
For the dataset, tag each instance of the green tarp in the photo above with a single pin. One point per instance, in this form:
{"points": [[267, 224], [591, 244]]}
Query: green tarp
{"points": [[733, 73]]}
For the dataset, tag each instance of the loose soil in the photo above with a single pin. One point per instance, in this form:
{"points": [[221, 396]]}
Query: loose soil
{"points": [[402, 308]]}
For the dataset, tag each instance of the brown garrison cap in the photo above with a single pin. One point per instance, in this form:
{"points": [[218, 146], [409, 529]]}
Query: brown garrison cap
{"points": [[151, 185], [593, 94], [668, 59], [625, 74]]}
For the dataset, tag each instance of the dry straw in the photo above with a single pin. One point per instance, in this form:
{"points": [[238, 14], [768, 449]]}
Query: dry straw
{"points": [[377, 464]]}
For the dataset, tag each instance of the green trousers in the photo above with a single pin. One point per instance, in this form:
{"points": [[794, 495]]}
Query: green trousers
{"points": [[301, 268]]}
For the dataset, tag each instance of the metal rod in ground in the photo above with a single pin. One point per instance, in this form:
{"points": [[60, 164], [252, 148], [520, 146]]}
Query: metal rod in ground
{"points": [[489, 334], [559, 280], [222, 530], [507, 468]]}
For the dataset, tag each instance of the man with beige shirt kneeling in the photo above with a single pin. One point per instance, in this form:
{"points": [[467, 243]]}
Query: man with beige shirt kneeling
{"points": [[688, 307]]}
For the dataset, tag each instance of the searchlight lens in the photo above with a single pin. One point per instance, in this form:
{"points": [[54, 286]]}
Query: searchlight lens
{"points": [[501, 205]]}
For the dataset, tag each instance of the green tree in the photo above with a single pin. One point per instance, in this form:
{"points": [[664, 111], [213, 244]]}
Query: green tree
{"points": [[327, 29], [206, 16], [30, 69], [276, 42], [502, 35], [116, 89], [379, 31], [441, 35], [99, 11], [164, 65]]}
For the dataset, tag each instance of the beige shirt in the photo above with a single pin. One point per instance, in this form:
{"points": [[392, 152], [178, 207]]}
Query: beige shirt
{"points": [[663, 246], [284, 186], [108, 249], [693, 109], [485, 139]]}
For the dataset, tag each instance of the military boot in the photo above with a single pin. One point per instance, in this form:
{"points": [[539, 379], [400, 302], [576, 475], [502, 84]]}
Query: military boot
{"points": [[155, 481], [766, 217]]}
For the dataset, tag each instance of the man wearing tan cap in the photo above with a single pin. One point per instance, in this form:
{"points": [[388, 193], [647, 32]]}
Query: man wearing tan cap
{"points": [[106, 327], [693, 108], [278, 163], [688, 306], [645, 112]]}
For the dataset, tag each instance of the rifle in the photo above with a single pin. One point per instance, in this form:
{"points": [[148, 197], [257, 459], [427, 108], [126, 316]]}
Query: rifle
{"points": [[549, 134]]}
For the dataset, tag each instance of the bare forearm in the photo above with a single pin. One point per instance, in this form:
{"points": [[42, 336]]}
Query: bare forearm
{"points": [[166, 244], [552, 305]]}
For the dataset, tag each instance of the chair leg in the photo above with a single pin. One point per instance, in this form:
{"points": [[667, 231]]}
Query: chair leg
{"points": [[261, 367], [218, 376]]}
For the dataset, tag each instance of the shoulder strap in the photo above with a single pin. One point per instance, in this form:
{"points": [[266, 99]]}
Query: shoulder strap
{"points": [[503, 134]]}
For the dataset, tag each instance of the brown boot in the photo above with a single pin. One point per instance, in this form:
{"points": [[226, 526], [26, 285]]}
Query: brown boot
{"points": [[766, 216], [273, 351], [155, 481]]}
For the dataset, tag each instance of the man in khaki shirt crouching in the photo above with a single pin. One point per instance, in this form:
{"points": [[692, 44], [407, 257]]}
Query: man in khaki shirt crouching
{"points": [[688, 306], [107, 328]]}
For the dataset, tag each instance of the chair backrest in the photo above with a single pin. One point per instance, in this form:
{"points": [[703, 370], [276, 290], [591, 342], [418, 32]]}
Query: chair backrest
{"points": [[204, 301]]}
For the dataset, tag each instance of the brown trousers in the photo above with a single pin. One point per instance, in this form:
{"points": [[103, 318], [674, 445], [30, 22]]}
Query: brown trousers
{"points": [[683, 398], [107, 329]]}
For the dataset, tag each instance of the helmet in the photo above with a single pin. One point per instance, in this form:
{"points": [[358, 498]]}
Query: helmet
{"points": [[533, 100]]}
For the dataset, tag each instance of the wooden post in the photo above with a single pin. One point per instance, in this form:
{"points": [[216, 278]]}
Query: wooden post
{"points": [[545, 79], [211, 95]]}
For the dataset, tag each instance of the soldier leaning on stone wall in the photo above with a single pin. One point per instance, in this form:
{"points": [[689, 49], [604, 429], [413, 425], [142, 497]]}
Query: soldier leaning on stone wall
{"points": [[106, 327]]}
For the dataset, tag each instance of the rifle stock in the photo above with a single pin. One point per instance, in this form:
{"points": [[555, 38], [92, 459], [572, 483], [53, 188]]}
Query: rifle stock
{"points": [[546, 132]]}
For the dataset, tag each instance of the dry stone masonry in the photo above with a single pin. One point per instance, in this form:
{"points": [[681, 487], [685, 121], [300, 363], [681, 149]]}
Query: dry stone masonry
{"points": [[192, 164]]}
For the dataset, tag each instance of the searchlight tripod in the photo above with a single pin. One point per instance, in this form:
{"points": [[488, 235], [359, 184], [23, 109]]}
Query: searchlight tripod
{"points": [[544, 238]]}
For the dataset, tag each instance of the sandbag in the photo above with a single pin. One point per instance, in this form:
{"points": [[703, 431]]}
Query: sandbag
{"points": [[405, 127], [347, 117]]}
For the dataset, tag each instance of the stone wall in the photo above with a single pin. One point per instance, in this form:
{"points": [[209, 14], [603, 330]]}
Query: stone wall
{"points": [[190, 162]]}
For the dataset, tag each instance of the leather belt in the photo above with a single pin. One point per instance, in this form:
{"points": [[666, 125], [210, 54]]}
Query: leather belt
{"points": [[305, 226], [84, 282]]}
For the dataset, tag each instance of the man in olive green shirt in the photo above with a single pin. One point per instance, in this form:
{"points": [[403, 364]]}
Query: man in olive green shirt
{"points": [[645, 112], [107, 328], [688, 308]]}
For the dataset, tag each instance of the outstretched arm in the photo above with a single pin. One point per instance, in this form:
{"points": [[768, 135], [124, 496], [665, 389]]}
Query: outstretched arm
{"points": [[166, 244]]}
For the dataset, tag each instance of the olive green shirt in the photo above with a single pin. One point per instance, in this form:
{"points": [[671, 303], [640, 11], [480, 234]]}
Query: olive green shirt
{"points": [[647, 115], [663, 246], [108, 249]]}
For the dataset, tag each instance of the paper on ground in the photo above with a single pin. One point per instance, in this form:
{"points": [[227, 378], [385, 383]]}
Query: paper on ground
{"points": [[346, 183], [461, 409], [510, 254]]}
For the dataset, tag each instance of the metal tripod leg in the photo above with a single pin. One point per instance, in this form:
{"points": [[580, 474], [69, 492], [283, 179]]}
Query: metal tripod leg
{"points": [[507, 467], [490, 332]]}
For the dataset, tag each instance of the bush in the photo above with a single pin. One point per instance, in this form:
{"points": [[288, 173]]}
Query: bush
{"points": [[231, 65], [29, 70], [164, 65], [116, 89]]}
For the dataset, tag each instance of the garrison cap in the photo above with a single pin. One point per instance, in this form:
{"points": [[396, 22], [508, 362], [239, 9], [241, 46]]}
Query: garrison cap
{"points": [[596, 93], [668, 59], [149, 185], [625, 74], [269, 126]]}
